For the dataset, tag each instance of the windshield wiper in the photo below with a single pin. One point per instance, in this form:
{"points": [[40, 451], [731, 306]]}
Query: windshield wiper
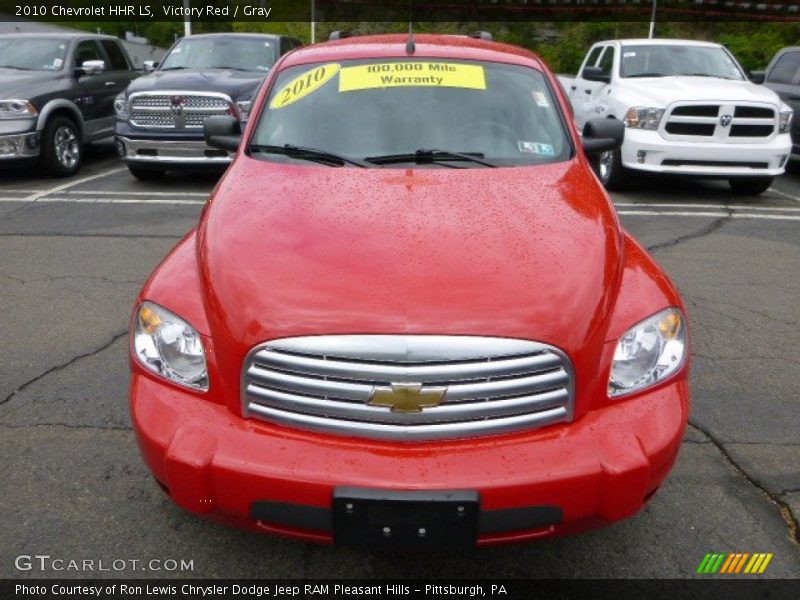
{"points": [[705, 75], [645, 75], [426, 156], [303, 153], [172, 68]]}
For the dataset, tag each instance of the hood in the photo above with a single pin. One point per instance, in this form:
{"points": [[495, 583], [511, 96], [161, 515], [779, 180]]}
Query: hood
{"points": [[663, 91], [289, 250], [26, 84], [239, 85]]}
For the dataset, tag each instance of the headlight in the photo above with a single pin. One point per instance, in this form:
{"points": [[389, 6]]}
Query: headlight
{"points": [[648, 352], [121, 107], [643, 118], [169, 346], [243, 106], [17, 109], [785, 121]]}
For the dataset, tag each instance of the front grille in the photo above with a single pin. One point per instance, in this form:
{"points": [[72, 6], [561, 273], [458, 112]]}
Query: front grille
{"points": [[720, 122], [489, 385], [713, 163], [176, 110]]}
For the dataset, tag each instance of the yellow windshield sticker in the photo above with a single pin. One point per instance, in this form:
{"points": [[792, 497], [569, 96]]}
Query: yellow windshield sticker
{"points": [[303, 85], [403, 74]]}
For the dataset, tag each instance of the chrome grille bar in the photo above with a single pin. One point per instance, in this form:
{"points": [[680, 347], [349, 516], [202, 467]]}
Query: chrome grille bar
{"points": [[325, 383]]}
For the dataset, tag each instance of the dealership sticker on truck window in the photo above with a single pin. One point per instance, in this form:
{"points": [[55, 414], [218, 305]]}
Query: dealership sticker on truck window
{"points": [[412, 74], [536, 148], [303, 85]]}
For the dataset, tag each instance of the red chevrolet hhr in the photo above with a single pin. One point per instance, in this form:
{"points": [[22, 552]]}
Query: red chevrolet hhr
{"points": [[409, 314]]}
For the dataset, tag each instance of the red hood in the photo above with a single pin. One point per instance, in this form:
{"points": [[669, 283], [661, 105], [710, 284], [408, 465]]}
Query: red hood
{"points": [[518, 252]]}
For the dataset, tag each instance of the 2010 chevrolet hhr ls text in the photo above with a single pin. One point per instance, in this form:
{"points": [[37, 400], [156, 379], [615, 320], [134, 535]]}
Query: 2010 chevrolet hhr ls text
{"points": [[409, 314]]}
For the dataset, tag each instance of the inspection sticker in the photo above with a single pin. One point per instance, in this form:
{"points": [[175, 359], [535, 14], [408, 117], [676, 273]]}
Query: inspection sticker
{"points": [[412, 74], [536, 148], [303, 85], [540, 99]]}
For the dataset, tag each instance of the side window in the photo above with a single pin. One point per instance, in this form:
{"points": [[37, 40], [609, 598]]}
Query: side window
{"points": [[115, 55], [607, 60], [785, 70], [593, 56], [288, 44], [87, 50]]}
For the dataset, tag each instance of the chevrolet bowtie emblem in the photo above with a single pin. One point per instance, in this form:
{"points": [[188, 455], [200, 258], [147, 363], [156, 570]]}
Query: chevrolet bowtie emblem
{"points": [[407, 397]]}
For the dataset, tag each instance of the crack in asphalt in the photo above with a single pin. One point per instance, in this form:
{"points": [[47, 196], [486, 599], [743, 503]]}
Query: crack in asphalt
{"points": [[785, 511], [709, 229], [62, 366], [68, 426], [47, 277]]}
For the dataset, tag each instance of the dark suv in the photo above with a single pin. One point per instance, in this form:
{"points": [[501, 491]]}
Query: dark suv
{"points": [[57, 94], [160, 116], [783, 77]]}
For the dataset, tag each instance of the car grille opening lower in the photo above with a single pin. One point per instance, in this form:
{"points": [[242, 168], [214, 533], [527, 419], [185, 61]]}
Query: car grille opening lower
{"points": [[408, 387]]}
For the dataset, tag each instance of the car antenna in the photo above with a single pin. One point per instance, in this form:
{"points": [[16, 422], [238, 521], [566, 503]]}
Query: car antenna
{"points": [[410, 47]]}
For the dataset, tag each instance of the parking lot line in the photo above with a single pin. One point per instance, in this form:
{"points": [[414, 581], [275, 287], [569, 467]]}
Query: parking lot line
{"points": [[64, 186], [726, 206], [656, 213], [784, 194], [109, 193]]}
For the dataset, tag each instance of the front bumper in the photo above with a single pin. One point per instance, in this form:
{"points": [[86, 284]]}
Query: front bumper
{"points": [[648, 151], [554, 480], [19, 146], [168, 153]]}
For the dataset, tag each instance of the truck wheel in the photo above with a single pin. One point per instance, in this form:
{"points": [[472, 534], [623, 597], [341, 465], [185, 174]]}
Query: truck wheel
{"points": [[144, 173], [750, 187], [62, 149], [609, 169]]}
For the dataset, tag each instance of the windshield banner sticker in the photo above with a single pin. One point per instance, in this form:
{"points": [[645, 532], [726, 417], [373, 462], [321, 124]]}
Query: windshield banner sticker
{"points": [[405, 74], [303, 85], [536, 148]]}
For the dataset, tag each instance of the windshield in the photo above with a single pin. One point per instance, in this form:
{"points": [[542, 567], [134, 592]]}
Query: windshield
{"points": [[245, 54], [32, 54], [380, 109], [664, 60]]}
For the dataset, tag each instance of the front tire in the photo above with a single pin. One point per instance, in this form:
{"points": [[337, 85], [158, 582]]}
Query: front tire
{"points": [[609, 169], [145, 174], [62, 148], [750, 187]]}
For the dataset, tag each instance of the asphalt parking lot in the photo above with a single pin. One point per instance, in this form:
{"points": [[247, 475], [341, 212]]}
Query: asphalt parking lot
{"points": [[74, 253]]}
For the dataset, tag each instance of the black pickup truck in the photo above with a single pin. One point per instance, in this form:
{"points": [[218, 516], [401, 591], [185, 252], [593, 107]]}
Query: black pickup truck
{"points": [[160, 116], [57, 94]]}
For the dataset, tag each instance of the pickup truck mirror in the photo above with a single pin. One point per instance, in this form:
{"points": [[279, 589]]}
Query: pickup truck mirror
{"points": [[757, 76], [223, 132], [595, 74], [92, 67], [149, 66], [602, 135]]}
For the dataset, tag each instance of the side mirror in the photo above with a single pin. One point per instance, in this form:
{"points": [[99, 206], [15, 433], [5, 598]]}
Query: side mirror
{"points": [[149, 66], [757, 76], [595, 74], [93, 67], [223, 132], [602, 135]]}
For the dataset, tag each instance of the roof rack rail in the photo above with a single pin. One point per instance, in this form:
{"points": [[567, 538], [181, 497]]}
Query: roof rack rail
{"points": [[482, 35], [339, 35]]}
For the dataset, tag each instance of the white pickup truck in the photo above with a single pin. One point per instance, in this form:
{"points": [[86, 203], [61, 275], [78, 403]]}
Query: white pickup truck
{"points": [[688, 108]]}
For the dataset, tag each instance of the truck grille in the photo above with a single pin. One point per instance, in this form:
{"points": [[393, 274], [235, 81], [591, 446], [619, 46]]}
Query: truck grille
{"points": [[721, 122], [412, 387], [176, 110]]}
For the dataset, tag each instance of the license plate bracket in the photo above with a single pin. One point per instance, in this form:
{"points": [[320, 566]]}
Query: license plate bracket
{"points": [[419, 518]]}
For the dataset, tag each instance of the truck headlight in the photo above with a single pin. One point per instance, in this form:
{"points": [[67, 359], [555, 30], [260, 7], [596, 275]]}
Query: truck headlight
{"points": [[639, 117], [17, 109], [243, 108], [121, 107], [785, 121], [168, 346], [649, 351]]}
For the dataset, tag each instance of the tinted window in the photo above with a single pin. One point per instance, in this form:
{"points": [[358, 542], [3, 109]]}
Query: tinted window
{"points": [[115, 55], [243, 54], [593, 56], [30, 54], [87, 50], [607, 61], [785, 69], [372, 108]]}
